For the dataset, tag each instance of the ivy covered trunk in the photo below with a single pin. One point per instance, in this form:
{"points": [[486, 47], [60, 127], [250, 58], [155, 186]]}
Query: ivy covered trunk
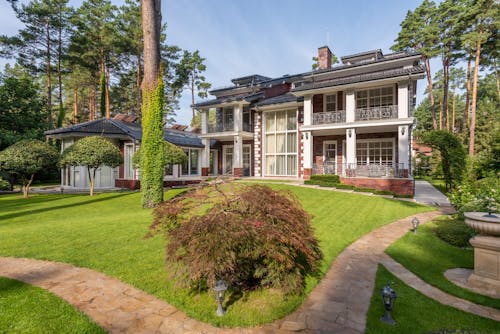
{"points": [[151, 163]]}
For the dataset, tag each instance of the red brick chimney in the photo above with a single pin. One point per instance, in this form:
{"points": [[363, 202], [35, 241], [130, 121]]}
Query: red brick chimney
{"points": [[324, 58]]}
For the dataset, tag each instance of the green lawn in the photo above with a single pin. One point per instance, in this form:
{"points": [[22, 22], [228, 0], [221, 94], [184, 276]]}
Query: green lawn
{"points": [[28, 309], [106, 233], [429, 257], [416, 313]]}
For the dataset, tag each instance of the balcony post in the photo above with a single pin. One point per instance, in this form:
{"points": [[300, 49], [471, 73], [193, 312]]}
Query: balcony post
{"points": [[238, 118], [350, 147], [205, 157], [307, 138], [238, 156], [403, 146], [403, 99], [350, 106], [204, 121], [308, 110]]}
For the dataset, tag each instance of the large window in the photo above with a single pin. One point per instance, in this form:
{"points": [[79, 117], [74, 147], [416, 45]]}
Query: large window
{"points": [[375, 152], [281, 143], [128, 166], [376, 97], [331, 102], [190, 166], [228, 114]]}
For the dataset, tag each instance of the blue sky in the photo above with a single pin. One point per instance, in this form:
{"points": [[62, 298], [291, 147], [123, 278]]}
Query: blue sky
{"points": [[269, 37]]}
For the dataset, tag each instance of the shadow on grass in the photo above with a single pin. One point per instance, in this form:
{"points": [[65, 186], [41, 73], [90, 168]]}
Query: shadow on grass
{"points": [[95, 199], [234, 297], [16, 203], [8, 285]]}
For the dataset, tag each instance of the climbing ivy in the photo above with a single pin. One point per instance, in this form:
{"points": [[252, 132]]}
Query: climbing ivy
{"points": [[152, 155]]}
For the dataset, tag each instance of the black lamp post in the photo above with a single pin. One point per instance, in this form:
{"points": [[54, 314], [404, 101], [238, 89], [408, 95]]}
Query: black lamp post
{"points": [[220, 289], [388, 298], [415, 222]]}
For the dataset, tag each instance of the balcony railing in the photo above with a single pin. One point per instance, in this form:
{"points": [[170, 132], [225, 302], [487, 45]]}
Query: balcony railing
{"points": [[394, 170], [376, 113], [329, 117], [213, 128]]}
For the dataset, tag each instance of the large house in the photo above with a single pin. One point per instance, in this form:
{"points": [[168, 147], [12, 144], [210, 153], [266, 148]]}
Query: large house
{"points": [[354, 120]]}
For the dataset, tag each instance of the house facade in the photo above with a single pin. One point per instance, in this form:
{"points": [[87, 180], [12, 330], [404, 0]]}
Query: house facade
{"points": [[354, 120], [126, 133]]}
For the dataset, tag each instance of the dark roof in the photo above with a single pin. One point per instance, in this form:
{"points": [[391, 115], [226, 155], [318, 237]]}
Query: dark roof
{"points": [[360, 78], [284, 98], [377, 54], [249, 79], [119, 129], [249, 97]]}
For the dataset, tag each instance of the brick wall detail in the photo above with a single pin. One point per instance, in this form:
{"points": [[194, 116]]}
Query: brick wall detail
{"points": [[257, 144], [398, 186]]}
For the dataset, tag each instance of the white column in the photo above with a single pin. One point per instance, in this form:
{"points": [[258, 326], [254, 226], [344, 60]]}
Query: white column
{"points": [[308, 149], [403, 99], [238, 152], [205, 153], [308, 110], [238, 118], [403, 146], [350, 106], [350, 146], [204, 121]]}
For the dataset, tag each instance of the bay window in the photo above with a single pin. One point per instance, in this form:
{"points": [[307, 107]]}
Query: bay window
{"points": [[281, 143]]}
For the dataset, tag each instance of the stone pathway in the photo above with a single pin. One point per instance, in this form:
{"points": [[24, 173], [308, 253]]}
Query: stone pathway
{"points": [[426, 193], [338, 304], [415, 282]]}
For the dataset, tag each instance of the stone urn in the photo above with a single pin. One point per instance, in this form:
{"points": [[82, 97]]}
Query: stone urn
{"points": [[486, 275]]}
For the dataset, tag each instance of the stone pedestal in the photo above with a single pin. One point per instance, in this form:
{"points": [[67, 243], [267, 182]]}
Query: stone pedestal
{"points": [[486, 274]]}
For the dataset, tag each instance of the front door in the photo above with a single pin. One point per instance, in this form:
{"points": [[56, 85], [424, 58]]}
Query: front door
{"points": [[247, 160], [330, 157], [227, 161]]}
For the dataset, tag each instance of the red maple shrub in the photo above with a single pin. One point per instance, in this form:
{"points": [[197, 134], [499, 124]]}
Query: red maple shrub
{"points": [[250, 236]]}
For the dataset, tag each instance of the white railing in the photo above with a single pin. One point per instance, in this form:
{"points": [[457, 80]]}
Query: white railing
{"points": [[376, 113], [329, 117]]}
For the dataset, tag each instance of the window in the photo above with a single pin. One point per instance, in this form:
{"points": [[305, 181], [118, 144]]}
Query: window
{"points": [[331, 102], [228, 159], [228, 119], [376, 97], [190, 166], [247, 119], [375, 152], [281, 142]]}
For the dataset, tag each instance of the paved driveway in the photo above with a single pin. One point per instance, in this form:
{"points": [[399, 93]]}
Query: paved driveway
{"points": [[425, 193]]}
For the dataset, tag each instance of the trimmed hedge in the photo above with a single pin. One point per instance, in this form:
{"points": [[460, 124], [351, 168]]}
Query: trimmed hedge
{"points": [[454, 232]]}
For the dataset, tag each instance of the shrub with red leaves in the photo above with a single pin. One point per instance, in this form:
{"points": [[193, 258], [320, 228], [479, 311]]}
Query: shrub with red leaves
{"points": [[250, 236]]}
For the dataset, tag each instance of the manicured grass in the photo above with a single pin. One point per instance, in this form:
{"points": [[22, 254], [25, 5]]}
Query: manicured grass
{"points": [[106, 233], [28, 309], [429, 257], [416, 313]]}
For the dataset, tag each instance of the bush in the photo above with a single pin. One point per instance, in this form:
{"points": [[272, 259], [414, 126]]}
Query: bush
{"points": [[477, 195], [327, 180], [4, 185], [251, 236], [454, 232]]}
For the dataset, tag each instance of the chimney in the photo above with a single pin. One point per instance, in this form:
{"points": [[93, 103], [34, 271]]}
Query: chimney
{"points": [[324, 58]]}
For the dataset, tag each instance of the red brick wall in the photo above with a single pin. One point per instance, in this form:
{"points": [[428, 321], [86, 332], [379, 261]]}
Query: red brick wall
{"points": [[317, 103], [398, 186], [276, 90], [340, 101]]}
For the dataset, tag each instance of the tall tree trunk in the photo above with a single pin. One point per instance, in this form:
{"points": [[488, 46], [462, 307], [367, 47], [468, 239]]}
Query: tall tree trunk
{"points": [[465, 121], [446, 68], [49, 87], [453, 112], [192, 96], [138, 83], [441, 115], [152, 169], [91, 180], [496, 76], [108, 112], [472, 133], [431, 95], [75, 106], [60, 116]]}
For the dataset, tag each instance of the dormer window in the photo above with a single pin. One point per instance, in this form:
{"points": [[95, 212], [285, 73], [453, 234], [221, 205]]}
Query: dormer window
{"points": [[330, 102]]}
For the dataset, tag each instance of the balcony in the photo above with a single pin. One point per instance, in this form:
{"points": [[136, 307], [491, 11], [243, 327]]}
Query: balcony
{"points": [[393, 170], [329, 117], [227, 127], [376, 113]]}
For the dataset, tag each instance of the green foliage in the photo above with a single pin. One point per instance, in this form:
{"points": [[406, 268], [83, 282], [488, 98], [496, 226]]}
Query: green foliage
{"points": [[326, 180], [22, 111], [454, 232], [477, 195], [153, 146], [26, 158], [452, 155], [252, 237], [4, 185], [174, 155], [92, 152]]}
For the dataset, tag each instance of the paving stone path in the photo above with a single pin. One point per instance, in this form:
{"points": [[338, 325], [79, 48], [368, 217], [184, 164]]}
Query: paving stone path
{"points": [[418, 284], [338, 304]]}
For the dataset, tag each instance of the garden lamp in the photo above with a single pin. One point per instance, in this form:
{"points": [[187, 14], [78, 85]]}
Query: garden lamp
{"points": [[388, 298], [220, 289], [415, 222]]}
